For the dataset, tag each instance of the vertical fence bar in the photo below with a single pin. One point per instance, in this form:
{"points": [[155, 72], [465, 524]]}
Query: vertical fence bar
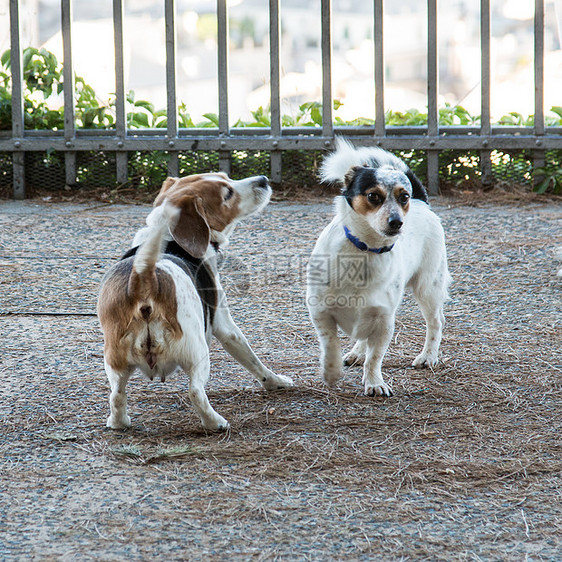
{"points": [[485, 126], [18, 158], [120, 116], [432, 93], [275, 84], [539, 127], [224, 126], [380, 125], [326, 42], [68, 80], [172, 107]]}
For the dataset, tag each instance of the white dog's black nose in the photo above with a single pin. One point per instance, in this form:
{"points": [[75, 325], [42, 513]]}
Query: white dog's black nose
{"points": [[394, 223]]}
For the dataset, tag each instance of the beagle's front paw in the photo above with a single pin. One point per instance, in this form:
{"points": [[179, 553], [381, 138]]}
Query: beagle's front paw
{"points": [[215, 423], [276, 382]]}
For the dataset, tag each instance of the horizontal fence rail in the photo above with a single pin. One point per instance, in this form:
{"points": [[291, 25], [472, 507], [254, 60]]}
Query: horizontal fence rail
{"points": [[224, 140]]}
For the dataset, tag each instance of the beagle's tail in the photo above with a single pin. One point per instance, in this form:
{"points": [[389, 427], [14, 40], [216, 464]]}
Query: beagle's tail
{"points": [[143, 280]]}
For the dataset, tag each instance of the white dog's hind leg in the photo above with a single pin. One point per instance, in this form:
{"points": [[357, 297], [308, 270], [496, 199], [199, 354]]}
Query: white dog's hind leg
{"points": [[198, 370], [432, 310], [376, 348], [118, 418], [356, 357], [235, 343]]}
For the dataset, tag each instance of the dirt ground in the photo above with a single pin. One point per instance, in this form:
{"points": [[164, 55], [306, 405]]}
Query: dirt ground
{"points": [[463, 463]]}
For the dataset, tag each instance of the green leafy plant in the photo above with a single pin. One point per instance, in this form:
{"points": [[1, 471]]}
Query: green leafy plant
{"points": [[516, 120], [513, 118], [548, 178], [89, 112], [556, 119], [43, 80], [42, 76], [448, 115]]}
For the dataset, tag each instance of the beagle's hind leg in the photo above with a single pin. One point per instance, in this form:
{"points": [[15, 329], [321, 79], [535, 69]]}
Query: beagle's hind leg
{"points": [[198, 369], [118, 418]]}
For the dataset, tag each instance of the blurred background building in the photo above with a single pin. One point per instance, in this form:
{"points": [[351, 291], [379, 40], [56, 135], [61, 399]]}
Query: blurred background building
{"points": [[405, 37]]}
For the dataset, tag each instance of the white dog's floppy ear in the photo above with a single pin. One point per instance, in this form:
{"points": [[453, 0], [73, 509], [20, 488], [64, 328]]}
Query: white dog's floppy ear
{"points": [[350, 174], [192, 231], [418, 190]]}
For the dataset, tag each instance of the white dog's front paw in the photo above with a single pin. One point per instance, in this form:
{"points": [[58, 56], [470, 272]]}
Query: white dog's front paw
{"points": [[277, 382], [331, 375], [115, 422], [352, 359], [377, 389], [425, 359]]}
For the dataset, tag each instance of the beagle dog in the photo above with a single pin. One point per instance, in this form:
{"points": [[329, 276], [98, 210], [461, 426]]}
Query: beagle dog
{"points": [[384, 238], [160, 304]]}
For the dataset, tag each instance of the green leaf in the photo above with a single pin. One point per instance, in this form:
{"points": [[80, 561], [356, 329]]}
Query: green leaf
{"points": [[543, 186], [508, 119], [557, 109], [213, 118], [186, 121], [5, 58], [288, 121], [140, 120], [27, 56], [146, 105], [316, 115]]}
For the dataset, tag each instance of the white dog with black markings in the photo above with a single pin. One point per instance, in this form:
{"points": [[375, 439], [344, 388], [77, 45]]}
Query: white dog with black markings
{"points": [[383, 239], [160, 304]]}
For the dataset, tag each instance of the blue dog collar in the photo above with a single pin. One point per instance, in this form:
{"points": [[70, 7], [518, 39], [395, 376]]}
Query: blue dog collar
{"points": [[362, 246]]}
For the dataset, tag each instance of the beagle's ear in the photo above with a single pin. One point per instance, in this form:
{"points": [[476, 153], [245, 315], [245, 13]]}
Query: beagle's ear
{"points": [[168, 183], [192, 231], [418, 190]]}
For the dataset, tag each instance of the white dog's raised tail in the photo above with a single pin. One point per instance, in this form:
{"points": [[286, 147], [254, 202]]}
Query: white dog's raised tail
{"points": [[336, 165]]}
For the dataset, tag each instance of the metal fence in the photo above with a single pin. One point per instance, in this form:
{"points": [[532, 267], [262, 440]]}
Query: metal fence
{"points": [[276, 140]]}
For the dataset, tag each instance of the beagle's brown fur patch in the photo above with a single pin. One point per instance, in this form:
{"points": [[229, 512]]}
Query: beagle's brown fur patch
{"points": [[217, 201], [126, 306], [206, 201]]}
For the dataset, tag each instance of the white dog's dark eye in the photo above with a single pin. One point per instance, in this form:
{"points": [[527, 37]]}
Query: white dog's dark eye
{"points": [[375, 198], [229, 194], [403, 198]]}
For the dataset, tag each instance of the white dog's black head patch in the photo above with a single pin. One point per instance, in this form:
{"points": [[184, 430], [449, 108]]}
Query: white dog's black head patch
{"points": [[360, 180]]}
